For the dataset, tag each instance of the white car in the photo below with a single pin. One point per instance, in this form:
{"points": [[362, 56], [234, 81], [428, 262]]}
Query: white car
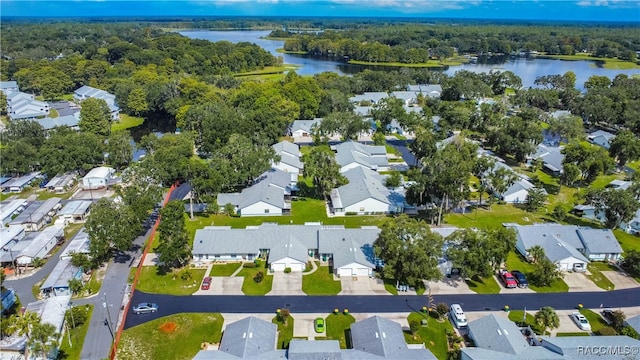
{"points": [[581, 321]]}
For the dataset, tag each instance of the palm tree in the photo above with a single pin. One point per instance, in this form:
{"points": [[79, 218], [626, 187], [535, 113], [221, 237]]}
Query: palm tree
{"points": [[500, 180], [43, 339], [547, 318], [536, 253], [24, 325]]}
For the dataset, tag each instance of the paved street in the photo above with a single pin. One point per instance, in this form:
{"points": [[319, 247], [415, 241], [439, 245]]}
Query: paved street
{"points": [[375, 304]]}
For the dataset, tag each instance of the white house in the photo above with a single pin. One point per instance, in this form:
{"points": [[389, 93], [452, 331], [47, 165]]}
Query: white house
{"points": [[8, 87], [57, 283], [551, 157], [87, 92], [70, 121], [351, 154], [268, 196], [365, 194], [289, 253], [79, 244], [75, 211], [350, 253], [38, 245], [9, 238], [23, 106], [16, 185], [61, 183], [97, 178], [303, 129], [289, 159], [37, 214], [601, 138], [10, 209]]}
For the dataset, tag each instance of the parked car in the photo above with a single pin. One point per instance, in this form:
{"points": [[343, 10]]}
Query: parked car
{"points": [[145, 308], [206, 283], [579, 268], [508, 279], [581, 321], [457, 316], [318, 324], [608, 315], [520, 279]]}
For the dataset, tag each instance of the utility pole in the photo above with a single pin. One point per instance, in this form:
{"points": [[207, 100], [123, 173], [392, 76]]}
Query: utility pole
{"points": [[107, 321]]}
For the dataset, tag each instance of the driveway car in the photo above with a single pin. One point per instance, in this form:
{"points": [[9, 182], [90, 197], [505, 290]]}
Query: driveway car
{"points": [[145, 308], [206, 283], [581, 321], [318, 324], [608, 315], [520, 279], [508, 280]]}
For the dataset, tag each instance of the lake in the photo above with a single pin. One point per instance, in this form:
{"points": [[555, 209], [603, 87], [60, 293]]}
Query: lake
{"points": [[527, 69]]}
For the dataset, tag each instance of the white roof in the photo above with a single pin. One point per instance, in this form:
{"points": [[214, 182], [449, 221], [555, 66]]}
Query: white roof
{"points": [[101, 172], [51, 310]]}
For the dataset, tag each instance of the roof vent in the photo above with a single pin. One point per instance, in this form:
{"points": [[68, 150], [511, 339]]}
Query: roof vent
{"points": [[244, 335], [377, 336], [499, 333], [343, 239], [384, 335], [250, 335], [505, 332]]}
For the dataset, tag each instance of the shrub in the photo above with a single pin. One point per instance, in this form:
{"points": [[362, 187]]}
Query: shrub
{"points": [[249, 265], [308, 267], [283, 314], [80, 316], [258, 277], [287, 270], [630, 332], [414, 325], [350, 213], [442, 309], [607, 331], [186, 275]]}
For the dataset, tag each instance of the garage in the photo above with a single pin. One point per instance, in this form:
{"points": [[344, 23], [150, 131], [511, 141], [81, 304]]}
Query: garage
{"points": [[571, 264], [281, 264], [354, 269]]}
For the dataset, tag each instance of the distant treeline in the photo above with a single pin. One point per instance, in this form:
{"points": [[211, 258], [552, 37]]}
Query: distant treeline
{"points": [[415, 43]]}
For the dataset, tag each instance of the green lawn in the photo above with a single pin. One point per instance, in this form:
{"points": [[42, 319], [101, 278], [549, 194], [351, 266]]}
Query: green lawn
{"points": [[568, 334], [493, 218], [628, 242], [338, 327], [72, 352], [515, 261], [320, 282], [433, 335], [149, 341], [224, 269], [390, 286], [151, 281], [608, 63], [595, 320], [249, 286], [268, 70], [597, 277], [126, 122], [517, 315], [45, 195], [484, 285], [285, 331]]}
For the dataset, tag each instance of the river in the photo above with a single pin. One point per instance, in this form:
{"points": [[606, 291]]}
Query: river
{"points": [[527, 69]]}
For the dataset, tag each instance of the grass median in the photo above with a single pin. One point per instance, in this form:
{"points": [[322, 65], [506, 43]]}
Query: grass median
{"points": [[320, 282]]}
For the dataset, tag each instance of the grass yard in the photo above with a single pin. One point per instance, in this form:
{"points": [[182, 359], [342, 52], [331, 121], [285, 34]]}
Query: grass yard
{"points": [[607, 63], [493, 218], [177, 336], [224, 269], [126, 122], [390, 286], [483, 285], [285, 331], [628, 242], [249, 286], [515, 261], [268, 70], [338, 327], [170, 283], [77, 335], [597, 277], [320, 282], [433, 335], [568, 334], [45, 195], [517, 315], [595, 320]]}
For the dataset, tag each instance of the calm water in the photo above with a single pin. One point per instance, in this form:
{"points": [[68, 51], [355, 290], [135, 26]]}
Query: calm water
{"points": [[527, 69]]}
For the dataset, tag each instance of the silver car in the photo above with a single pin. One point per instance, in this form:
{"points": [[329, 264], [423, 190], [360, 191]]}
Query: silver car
{"points": [[145, 308]]}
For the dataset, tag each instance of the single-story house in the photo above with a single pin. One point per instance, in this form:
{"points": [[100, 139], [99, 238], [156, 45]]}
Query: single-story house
{"points": [[351, 154], [551, 157], [289, 159], [51, 310], [23, 106], [8, 87], [71, 121], [372, 338], [496, 337], [269, 195], [61, 183], [373, 97], [37, 214], [433, 91], [619, 184], [601, 138], [98, 178], [9, 238], [303, 129], [57, 283], [365, 193], [569, 246], [78, 244], [9, 209], [16, 185], [290, 246], [75, 211], [38, 245], [87, 92]]}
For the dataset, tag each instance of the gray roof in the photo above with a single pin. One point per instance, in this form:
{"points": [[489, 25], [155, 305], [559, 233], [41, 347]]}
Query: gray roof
{"points": [[292, 248], [599, 241], [88, 91], [286, 147], [348, 245], [558, 241], [532, 353], [229, 198], [497, 333], [605, 134], [620, 184], [21, 181], [634, 322], [9, 233], [518, 186], [35, 211], [305, 125], [425, 89], [289, 159], [60, 180], [275, 177], [362, 110], [314, 350], [79, 244], [40, 240], [248, 337], [60, 275], [551, 156], [569, 346], [64, 121], [363, 184], [369, 96], [378, 336], [75, 207], [264, 192], [8, 84]]}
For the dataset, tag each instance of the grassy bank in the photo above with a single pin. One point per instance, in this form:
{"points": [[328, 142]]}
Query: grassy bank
{"points": [[126, 122], [268, 70], [428, 64], [283, 51], [607, 63]]}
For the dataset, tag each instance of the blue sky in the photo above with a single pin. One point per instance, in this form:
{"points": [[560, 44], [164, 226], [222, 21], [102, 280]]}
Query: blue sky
{"points": [[571, 10]]}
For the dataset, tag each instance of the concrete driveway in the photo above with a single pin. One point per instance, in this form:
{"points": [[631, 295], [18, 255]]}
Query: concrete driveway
{"points": [[449, 285], [223, 285], [518, 290], [362, 285], [620, 279], [579, 282], [566, 322], [287, 284]]}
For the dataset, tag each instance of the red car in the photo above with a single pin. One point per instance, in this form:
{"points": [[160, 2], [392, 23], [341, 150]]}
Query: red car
{"points": [[206, 283], [508, 279]]}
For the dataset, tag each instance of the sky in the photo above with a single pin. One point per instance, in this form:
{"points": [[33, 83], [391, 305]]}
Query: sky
{"points": [[567, 10]]}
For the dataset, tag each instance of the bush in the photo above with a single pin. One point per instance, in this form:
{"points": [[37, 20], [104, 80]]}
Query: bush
{"points": [[607, 331], [308, 267], [258, 277], [442, 309], [414, 325], [630, 332], [287, 270], [350, 213], [186, 275], [283, 314], [249, 265], [80, 316]]}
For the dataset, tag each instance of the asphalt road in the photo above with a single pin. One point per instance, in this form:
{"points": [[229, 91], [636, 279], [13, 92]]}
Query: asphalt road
{"points": [[168, 304]]}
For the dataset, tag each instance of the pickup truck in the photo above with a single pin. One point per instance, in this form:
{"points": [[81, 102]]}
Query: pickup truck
{"points": [[508, 279]]}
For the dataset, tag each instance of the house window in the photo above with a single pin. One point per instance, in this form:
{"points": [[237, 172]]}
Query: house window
{"points": [[361, 209], [266, 211], [234, 256]]}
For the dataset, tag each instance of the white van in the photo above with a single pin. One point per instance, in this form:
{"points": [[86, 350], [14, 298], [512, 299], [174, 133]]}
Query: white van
{"points": [[457, 316]]}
